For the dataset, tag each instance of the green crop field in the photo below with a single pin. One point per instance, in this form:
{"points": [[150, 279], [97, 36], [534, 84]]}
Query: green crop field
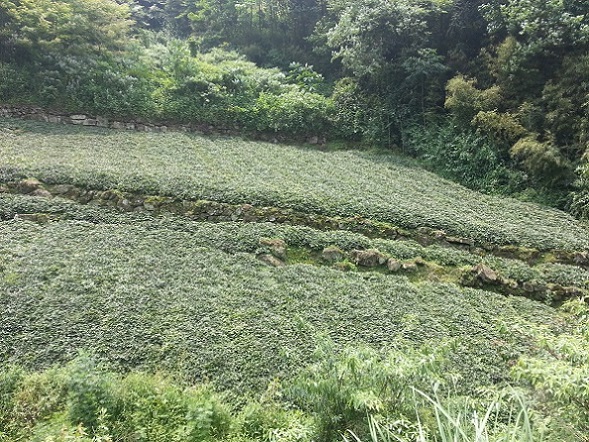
{"points": [[142, 294], [243, 307], [374, 185]]}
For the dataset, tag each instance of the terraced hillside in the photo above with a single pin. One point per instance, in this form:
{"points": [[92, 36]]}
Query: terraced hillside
{"points": [[376, 186], [229, 261]]}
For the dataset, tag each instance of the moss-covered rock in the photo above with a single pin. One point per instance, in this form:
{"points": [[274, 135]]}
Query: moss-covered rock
{"points": [[368, 258]]}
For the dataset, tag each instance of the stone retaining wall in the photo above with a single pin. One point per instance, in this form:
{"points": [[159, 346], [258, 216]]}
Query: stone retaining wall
{"points": [[39, 114]]}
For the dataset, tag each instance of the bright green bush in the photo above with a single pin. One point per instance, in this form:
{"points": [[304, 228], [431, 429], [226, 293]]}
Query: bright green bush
{"points": [[455, 419], [306, 78], [292, 112], [543, 162], [161, 78], [107, 87], [560, 375], [341, 389], [464, 100], [11, 379], [222, 88], [271, 420], [83, 401], [157, 409], [500, 127]]}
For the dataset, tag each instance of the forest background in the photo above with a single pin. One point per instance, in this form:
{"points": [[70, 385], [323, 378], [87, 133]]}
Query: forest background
{"points": [[492, 94]]}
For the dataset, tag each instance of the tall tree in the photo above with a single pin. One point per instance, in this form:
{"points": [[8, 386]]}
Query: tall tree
{"points": [[66, 26]]}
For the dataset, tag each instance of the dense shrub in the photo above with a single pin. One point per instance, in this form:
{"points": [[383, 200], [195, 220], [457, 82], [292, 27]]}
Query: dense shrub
{"points": [[292, 112], [543, 162], [464, 100], [82, 399], [163, 78], [341, 389], [272, 419], [14, 82], [560, 374], [464, 156], [503, 128], [109, 86], [356, 115]]}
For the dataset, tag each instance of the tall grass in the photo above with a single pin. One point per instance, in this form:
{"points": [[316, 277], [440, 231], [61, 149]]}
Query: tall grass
{"points": [[501, 421]]}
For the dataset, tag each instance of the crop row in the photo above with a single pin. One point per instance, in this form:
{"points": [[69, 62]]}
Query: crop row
{"points": [[235, 237], [378, 186]]}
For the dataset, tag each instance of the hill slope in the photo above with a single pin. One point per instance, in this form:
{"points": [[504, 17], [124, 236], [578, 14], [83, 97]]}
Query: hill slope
{"points": [[376, 186], [154, 251]]}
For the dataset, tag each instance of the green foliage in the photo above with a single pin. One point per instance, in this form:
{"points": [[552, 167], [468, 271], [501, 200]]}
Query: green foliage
{"points": [[223, 88], [14, 82], [305, 77], [560, 375], [465, 101], [11, 378], [70, 26], [215, 315], [83, 401], [270, 420], [371, 33], [516, 71], [34, 398], [566, 98], [163, 78], [106, 86], [158, 409], [543, 162], [90, 389], [292, 112], [580, 198], [542, 24], [306, 180], [502, 127], [456, 420], [353, 115], [340, 389], [463, 156], [539, 65], [397, 73]]}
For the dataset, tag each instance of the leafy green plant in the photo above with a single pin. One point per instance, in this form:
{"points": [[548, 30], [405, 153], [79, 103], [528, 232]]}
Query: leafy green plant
{"points": [[82, 400], [464, 100], [543, 162], [463, 156], [292, 112], [502, 127], [270, 419], [454, 423], [560, 376], [341, 389]]}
